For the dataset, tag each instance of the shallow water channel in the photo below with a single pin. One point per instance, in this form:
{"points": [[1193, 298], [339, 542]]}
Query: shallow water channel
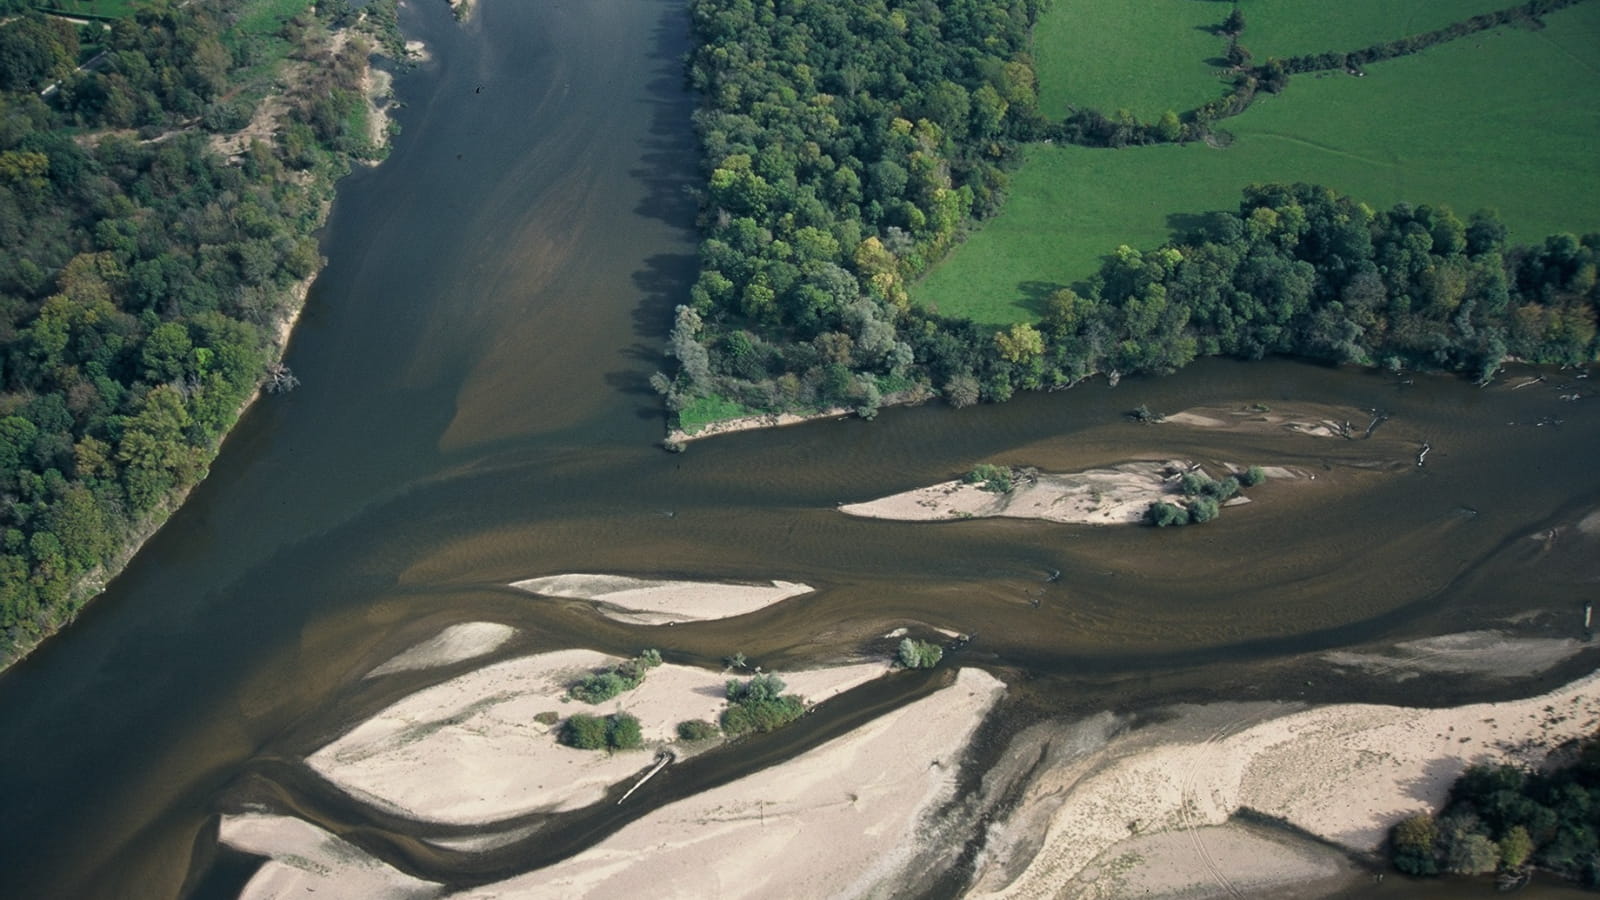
{"points": [[475, 411]]}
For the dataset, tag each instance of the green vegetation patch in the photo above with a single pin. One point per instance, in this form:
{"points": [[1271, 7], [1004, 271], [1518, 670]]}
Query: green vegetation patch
{"points": [[1472, 124], [918, 654], [618, 731], [1147, 59], [1286, 28], [703, 411], [759, 705], [598, 687]]}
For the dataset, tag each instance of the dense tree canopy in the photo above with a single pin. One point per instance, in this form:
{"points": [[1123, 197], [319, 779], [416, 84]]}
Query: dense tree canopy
{"points": [[142, 274]]}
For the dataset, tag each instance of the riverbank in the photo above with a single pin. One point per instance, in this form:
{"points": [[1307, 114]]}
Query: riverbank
{"points": [[482, 747], [281, 313], [1343, 774], [641, 601]]}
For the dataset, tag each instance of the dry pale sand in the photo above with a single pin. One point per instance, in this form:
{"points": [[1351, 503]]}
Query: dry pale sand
{"points": [[1175, 865], [641, 601], [839, 821], [1345, 773], [1119, 495], [452, 645], [304, 860], [469, 750]]}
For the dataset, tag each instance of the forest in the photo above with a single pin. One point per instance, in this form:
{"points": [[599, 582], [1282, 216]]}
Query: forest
{"points": [[144, 274], [847, 148]]}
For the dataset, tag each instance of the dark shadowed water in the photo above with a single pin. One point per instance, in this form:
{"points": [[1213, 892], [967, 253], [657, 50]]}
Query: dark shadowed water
{"points": [[474, 411]]}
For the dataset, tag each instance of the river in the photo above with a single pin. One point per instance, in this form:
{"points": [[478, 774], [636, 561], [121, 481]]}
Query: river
{"points": [[475, 410]]}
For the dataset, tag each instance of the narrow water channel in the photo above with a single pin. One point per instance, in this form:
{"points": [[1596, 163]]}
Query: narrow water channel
{"points": [[475, 410]]}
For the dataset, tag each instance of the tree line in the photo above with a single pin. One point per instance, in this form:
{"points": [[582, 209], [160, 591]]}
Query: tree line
{"points": [[847, 145], [142, 275]]}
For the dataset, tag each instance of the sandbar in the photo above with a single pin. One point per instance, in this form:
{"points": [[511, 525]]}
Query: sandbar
{"points": [[842, 820], [469, 750], [304, 860], [642, 601], [1117, 495], [1345, 773]]}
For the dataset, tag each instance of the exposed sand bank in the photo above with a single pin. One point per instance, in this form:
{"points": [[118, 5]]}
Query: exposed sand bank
{"points": [[470, 751], [1345, 773], [304, 860], [641, 601], [452, 645], [1170, 865], [1118, 495], [839, 821]]}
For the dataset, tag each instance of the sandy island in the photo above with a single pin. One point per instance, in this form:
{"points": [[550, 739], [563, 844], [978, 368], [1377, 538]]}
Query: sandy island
{"points": [[640, 601], [1345, 773], [843, 819], [1119, 495], [470, 750]]}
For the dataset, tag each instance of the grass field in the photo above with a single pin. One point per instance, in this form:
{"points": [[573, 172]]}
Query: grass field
{"points": [[1097, 54], [1501, 120], [1283, 28]]}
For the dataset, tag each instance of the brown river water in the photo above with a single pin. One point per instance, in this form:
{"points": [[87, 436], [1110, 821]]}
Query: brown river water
{"points": [[474, 411]]}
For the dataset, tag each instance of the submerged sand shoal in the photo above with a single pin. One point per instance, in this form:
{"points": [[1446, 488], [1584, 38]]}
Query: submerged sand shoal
{"points": [[643, 601], [458, 643], [471, 751], [1344, 773]]}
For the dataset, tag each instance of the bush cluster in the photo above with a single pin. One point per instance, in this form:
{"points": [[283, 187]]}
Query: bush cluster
{"points": [[598, 687], [618, 731], [919, 654], [759, 705]]}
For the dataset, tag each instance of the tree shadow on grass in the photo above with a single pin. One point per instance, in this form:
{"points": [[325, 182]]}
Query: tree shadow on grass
{"points": [[1036, 296]]}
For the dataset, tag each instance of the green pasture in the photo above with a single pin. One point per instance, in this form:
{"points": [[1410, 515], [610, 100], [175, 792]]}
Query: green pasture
{"points": [[1147, 57], [1294, 27], [1500, 120]]}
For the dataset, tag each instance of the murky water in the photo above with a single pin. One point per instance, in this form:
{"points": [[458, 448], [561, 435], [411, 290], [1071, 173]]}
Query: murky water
{"points": [[475, 411]]}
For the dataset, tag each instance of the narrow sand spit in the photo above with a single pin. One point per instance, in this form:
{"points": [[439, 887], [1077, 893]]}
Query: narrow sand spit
{"points": [[641, 601], [452, 645], [306, 860], [839, 821], [470, 750], [1345, 773], [1119, 495]]}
